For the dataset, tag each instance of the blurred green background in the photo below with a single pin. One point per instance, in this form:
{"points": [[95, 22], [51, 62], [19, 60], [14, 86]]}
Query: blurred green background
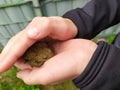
{"points": [[15, 15]]}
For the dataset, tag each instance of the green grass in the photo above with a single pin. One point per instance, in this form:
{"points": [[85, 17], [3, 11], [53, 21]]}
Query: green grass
{"points": [[9, 81], [68, 85], [110, 38]]}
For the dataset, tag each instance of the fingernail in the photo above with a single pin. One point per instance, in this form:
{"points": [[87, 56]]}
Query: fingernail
{"points": [[33, 32]]}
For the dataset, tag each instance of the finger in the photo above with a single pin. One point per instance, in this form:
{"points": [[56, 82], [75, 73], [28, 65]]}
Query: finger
{"points": [[14, 49], [21, 64]]}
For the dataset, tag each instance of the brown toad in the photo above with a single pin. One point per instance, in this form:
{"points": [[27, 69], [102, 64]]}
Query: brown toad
{"points": [[37, 54]]}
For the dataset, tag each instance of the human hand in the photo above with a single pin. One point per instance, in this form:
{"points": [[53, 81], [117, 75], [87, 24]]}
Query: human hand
{"points": [[71, 58], [40, 28]]}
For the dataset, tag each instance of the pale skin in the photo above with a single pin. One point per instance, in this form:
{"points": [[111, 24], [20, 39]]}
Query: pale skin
{"points": [[71, 55]]}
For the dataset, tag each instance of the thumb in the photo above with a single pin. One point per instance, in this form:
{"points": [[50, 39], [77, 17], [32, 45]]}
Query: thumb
{"points": [[34, 76], [55, 27]]}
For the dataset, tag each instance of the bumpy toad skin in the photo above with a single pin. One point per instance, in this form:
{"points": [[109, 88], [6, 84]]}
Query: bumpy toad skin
{"points": [[38, 54]]}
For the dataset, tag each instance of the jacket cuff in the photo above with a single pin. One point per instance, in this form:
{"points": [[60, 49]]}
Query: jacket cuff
{"points": [[94, 66], [84, 26]]}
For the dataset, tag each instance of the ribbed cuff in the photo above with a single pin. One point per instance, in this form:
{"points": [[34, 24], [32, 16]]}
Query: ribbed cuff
{"points": [[94, 66]]}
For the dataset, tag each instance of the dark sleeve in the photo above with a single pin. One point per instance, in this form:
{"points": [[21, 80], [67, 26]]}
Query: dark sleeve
{"points": [[94, 17], [103, 70]]}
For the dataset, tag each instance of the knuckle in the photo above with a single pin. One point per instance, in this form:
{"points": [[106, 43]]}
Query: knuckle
{"points": [[36, 18], [44, 22]]}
